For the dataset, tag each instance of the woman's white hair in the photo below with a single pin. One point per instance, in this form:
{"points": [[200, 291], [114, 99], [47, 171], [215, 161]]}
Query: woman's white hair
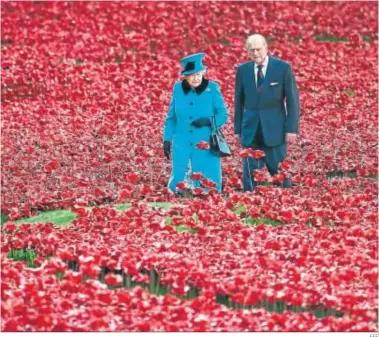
{"points": [[202, 72]]}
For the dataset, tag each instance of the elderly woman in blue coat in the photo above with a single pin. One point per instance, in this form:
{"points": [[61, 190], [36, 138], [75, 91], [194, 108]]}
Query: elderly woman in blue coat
{"points": [[196, 107]]}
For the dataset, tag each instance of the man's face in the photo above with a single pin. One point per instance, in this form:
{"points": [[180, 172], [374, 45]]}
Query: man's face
{"points": [[257, 51], [194, 80]]}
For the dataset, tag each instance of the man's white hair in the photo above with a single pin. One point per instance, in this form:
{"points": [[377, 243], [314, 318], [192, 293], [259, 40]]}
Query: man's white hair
{"points": [[255, 37]]}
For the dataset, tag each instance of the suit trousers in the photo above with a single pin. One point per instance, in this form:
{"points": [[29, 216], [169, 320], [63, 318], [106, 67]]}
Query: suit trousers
{"points": [[273, 156]]}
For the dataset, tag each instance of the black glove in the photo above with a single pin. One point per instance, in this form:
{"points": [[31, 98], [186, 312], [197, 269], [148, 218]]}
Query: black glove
{"points": [[204, 121], [167, 149]]}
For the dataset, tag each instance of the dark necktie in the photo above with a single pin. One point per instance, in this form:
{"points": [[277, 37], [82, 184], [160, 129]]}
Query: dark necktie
{"points": [[260, 78]]}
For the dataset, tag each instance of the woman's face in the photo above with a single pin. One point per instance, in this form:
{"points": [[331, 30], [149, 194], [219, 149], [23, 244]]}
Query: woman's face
{"points": [[194, 80]]}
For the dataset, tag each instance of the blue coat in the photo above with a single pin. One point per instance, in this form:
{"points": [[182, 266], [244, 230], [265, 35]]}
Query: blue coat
{"points": [[186, 106], [268, 107]]}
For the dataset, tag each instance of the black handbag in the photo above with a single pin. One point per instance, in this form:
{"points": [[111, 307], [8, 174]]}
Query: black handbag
{"points": [[217, 143]]}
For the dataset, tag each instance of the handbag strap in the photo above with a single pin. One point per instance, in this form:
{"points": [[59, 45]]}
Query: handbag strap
{"points": [[214, 125], [215, 130]]}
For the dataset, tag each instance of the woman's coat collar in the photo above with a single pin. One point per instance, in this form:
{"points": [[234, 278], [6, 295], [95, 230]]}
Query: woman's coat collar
{"points": [[187, 88]]}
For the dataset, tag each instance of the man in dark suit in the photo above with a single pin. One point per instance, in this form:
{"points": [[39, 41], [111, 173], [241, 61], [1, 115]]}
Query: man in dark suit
{"points": [[266, 115]]}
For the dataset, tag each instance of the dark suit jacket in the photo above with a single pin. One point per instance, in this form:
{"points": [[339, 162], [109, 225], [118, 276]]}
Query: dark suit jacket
{"points": [[277, 106]]}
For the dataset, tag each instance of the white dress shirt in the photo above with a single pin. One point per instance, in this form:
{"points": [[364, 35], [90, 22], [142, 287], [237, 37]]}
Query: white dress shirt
{"points": [[264, 69]]}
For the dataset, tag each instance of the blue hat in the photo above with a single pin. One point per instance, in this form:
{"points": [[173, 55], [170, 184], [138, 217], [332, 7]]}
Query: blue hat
{"points": [[192, 64]]}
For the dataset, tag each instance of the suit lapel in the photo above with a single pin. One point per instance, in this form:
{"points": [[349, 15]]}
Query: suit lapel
{"points": [[269, 73], [252, 74], [250, 79]]}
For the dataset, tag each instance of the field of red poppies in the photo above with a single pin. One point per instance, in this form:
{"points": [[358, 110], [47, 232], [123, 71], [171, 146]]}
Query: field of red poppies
{"points": [[85, 89]]}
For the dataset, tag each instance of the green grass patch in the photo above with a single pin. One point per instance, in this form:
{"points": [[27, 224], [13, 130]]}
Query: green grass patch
{"points": [[4, 218], [155, 286], [239, 209], [350, 92], [350, 174], [164, 205], [63, 217], [266, 221], [152, 205], [27, 255], [278, 307], [191, 294], [60, 217], [366, 38], [321, 313], [159, 290], [168, 220], [329, 38], [153, 47], [340, 174], [122, 207], [79, 61], [181, 229], [296, 39], [224, 41], [6, 42], [59, 275], [118, 59]]}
